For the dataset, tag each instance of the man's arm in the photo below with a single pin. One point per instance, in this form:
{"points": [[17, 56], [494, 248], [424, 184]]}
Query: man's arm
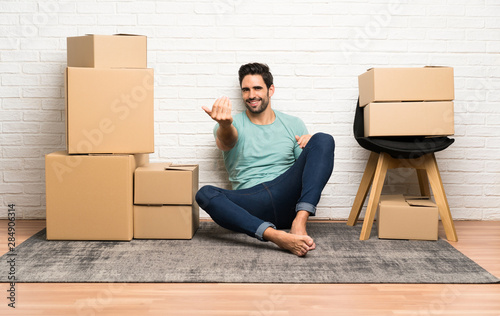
{"points": [[227, 135]]}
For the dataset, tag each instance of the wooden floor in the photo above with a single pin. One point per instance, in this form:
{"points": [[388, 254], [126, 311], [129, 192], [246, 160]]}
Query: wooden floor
{"points": [[478, 240]]}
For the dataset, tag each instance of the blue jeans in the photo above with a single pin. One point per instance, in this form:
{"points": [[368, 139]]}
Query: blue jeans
{"points": [[274, 203]]}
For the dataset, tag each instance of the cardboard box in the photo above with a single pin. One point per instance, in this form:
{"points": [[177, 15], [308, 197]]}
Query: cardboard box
{"points": [[166, 183], [409, 119], [109, 110], [406, 84], [107, 51], [401, 217], [90, 197], [166, 221]]}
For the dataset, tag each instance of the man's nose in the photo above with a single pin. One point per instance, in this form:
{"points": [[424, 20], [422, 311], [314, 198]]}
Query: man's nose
{"points": [[252, 94]]}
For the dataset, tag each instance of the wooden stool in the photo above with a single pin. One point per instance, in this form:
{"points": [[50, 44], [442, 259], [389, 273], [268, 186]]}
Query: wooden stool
{"points": [[375, 171]]}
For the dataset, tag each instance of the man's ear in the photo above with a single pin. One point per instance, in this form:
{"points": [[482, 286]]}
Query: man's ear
{"points": [[271, 90]]}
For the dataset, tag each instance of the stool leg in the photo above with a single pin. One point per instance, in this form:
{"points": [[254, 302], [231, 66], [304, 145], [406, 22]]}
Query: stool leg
{"points": [[423, 182], [364, 186], [440, 196], [378, 183]]}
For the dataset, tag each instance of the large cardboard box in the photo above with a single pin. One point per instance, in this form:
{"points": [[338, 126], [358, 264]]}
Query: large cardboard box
{"points": [[109, 110], [166, 221], [401, 217], [406, 84], [107, 51], [409, 119], [90, 197], [166, 183]]}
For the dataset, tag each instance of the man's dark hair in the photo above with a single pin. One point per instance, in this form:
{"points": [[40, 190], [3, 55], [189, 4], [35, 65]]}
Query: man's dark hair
{"points": [[256, 69]]}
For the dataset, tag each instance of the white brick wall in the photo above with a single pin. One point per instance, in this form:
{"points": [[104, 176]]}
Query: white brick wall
{"points": [[316, 49]]}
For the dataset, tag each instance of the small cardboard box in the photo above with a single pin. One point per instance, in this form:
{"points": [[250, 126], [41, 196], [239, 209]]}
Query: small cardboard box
{"points": [[406, 84], [409, 119], [401, 217], [166, 221], [90, 197], [166, 183], [107, 51], [109, 111]]}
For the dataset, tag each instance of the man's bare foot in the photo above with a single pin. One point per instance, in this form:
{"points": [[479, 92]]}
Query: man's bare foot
{"points": [[299, 225], [297, 244]]}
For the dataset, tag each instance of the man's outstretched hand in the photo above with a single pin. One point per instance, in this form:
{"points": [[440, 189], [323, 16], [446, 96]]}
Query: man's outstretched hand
{"points": [[221, 111], [227, 135], [303, 140]]}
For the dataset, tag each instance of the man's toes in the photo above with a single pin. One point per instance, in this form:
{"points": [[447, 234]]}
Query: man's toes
{"points": [[313, 246], [301, 252]]}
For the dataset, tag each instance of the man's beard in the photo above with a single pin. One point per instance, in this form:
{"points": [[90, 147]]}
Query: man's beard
{"points": [[263, 105]]}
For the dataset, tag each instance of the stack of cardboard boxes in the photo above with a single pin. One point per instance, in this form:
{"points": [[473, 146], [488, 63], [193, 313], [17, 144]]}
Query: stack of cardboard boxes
{"points": [[109, 133], [165, 207], [407, 102]]}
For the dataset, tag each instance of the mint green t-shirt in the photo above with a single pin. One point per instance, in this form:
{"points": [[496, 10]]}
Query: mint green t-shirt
{"points": [[262, 152]]}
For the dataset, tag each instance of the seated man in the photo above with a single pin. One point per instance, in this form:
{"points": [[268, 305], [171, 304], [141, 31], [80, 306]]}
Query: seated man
{"points": [[276, 168]]}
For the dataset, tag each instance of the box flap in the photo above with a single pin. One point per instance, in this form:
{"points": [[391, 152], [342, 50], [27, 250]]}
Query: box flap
{"points": [[166, 166], [392, 199], [437, 67], [417, 197], [424, 201], [181, 167], [119, 34], [125, 34], [408, 67], [154, 167]]}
